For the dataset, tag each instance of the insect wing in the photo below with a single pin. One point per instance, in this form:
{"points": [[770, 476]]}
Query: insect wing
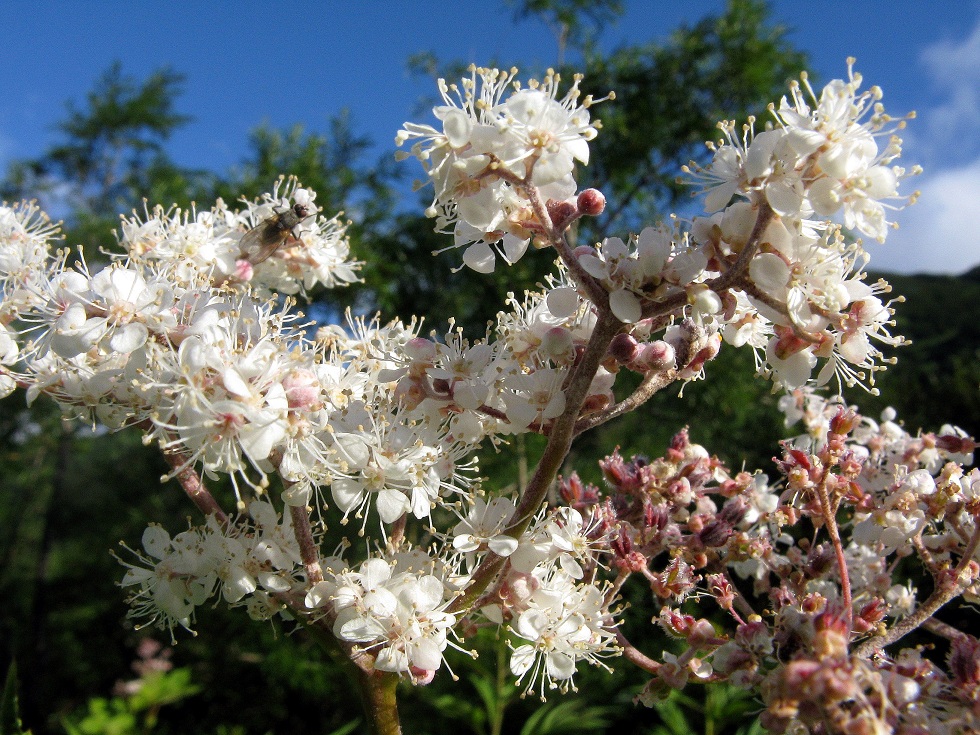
{"points": [[263, 240], [269, 235]]}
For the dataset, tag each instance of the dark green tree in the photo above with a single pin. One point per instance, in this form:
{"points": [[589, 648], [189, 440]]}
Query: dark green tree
{"points": [[111, 153]]}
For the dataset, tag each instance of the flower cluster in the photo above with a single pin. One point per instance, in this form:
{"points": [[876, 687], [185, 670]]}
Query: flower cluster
{"points": [[254, 562], [190, 335], [692, 530], [498, 143], [392, 606]]}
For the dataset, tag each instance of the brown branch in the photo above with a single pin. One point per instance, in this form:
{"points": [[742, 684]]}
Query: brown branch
{"points": [[593, 289], [830, 521], [191, 482], [308, 550], [943, 629], [652, 383], [559, 442], [633, 654]]}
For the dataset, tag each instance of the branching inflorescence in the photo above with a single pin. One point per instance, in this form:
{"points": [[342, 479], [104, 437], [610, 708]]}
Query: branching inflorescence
{"points": [[378, 425]]}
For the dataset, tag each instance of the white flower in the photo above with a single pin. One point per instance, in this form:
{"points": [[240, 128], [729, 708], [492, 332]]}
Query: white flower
{"points": [[397, 615], [563, 625], [482, 526], [490, 149]]}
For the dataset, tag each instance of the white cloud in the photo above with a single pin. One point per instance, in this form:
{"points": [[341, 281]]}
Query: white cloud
{"points": [[940, 233], [950, 127]]}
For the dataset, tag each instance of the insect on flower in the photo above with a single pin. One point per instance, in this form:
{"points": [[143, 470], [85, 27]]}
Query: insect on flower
{"points": [[272, 233]]}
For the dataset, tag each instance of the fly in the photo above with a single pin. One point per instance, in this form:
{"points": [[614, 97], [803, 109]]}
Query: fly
{"points": [[272, 233]]}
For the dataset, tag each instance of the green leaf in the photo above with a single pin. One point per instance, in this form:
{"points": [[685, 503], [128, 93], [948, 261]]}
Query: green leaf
{"points": [[9, 716], [568, 716], [348, 728]]}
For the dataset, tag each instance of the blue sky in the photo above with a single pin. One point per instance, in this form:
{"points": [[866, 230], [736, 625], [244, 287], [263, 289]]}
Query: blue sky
{"points": [[286, 62]]}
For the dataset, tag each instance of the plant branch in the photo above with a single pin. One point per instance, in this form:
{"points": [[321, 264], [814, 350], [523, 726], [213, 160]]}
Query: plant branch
{"points": [[652, 383], [308, 550], [633, 654], [947, 589], [830, 521], [192, 484]]}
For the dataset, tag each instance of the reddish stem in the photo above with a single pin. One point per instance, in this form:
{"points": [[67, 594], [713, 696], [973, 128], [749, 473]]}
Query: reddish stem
{"points": [[191, 482]]}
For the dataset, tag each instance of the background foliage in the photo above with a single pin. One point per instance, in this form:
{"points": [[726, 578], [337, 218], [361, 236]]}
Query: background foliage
{"points": [[68, 496]]}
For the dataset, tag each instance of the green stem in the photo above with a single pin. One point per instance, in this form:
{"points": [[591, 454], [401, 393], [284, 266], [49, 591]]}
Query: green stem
{"points": [[497, 715], [380, 705]]}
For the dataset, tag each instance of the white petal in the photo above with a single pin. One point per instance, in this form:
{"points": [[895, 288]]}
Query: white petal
{"points": [[719, 196], [319, 595], [783, 198], [360, 630], [156, 541], [457, 126], [503, 545], [514, 247], [625, 306], [347, 493], [392, 505], [562, 302], [374, 572], [425, 654], [235, 384], [480, 257], [560, 665], [770, 273], [237, 584], [392, 659], [522, 659], [128, 338]]}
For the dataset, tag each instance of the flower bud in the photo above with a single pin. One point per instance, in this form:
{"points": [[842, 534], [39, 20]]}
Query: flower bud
{"points": [[624, 348], [562, 213], [956, 444], [656, 356], [715, 533], [557, 344], [420, 349], [302, 388], [591, 202]]}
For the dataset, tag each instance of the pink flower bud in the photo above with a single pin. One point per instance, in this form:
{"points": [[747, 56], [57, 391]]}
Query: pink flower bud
{"points": [[244, 270], [562, 213], [420, 349], [656, 356], [421, 677], [623, 348], [591, 202], [956, 444], [715, 534], [302, 388]]}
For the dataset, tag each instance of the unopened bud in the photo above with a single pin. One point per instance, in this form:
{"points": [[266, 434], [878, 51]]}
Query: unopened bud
{"points": [[562, 213], [624, 348], [733, 511], [956, 444], [557, 344], [302, 388], [843, 422], [591, 202], [656, 356], [715, 533], [420, 349]]}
